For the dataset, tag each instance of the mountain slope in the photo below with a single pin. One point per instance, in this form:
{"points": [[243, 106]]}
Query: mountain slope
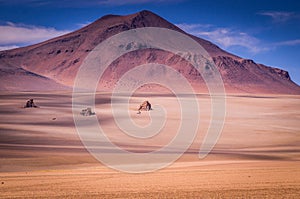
{"points": [[58, 59]]}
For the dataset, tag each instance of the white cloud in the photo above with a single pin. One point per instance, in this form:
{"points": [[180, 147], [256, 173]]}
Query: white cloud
{"points": [[15, 35], [81, 25], [8, 47], [193, 27], [279, 16], [225, 37], [289, 43]]}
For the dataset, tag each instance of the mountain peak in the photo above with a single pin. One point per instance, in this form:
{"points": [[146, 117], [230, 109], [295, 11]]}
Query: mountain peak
{"points": [[59, 59], [147, 13], [109, 16]]}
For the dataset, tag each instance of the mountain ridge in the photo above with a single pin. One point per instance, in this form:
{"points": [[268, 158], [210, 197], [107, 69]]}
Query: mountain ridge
{"points": [[58, 59]]}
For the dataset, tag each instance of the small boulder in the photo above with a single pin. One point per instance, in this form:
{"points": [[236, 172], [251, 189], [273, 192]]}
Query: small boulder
{"points": [[87, 112], [30, 104], [146, 106]]}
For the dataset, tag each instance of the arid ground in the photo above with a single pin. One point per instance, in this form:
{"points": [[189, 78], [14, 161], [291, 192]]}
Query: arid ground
{"points": [[257, 155]]}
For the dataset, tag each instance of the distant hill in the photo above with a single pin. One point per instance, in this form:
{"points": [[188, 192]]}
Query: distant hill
{"points": [[53, 64]]}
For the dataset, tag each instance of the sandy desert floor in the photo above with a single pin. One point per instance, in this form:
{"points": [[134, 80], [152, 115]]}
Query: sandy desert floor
{"points": [[257, 155]]}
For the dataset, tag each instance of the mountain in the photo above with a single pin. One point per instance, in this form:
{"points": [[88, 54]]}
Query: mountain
{"points": [[53, 64]]}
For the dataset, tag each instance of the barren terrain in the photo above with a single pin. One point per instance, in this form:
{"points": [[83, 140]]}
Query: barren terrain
{"points": [[257, 154]]}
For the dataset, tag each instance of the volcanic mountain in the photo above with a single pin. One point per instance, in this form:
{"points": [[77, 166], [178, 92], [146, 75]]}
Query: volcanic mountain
{"points": [[53, 64]]}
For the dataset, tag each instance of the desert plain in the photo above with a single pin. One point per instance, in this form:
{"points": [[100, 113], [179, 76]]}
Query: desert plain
{"points": [[256, 156]]}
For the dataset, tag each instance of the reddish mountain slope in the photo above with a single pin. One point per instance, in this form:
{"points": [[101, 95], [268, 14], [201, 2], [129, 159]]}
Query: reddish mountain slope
{"points": [[53, 64]]}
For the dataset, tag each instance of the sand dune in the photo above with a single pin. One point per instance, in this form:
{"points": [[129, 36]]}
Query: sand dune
{"points": [[257, 154]]}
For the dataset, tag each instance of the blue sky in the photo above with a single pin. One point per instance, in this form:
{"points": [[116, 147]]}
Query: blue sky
{"points": [[267, 31]]}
